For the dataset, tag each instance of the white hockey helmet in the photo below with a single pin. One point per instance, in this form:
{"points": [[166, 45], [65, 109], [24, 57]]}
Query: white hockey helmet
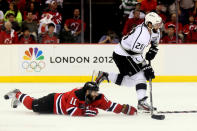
{"points": [[154, 19]]}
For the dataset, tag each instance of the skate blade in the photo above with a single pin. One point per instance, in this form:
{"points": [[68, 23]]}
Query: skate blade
{"points": [[145, 111]]}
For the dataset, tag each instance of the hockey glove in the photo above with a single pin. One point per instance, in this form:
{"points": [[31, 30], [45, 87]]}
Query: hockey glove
{"points": [[148, 72], [90, 111], [150, 55], [128, 110]]}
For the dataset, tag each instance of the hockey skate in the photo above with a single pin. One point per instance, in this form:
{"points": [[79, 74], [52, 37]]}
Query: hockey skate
{"points": [[101, 77], [12, 95], [143, 106]]}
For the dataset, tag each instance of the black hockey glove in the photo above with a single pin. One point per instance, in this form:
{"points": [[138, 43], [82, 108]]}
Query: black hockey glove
{"points": [[148, 72], [150, 55]]}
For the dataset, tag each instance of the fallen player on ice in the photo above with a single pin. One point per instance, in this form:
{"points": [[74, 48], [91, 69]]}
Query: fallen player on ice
{"points": [[78, 102]]}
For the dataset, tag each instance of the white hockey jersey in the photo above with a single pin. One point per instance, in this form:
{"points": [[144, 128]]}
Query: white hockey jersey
{"points": [[136, 41]]}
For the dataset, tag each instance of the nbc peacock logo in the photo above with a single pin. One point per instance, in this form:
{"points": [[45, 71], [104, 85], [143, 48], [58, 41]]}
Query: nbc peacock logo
{"points": [[33, 60]]}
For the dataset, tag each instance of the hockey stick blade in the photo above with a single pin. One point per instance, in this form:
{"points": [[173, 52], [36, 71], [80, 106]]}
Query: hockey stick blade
{"points": [[158, 117]]}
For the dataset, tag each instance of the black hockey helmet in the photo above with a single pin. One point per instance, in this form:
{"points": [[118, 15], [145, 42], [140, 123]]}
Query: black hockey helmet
{"points": [[91, 86]]}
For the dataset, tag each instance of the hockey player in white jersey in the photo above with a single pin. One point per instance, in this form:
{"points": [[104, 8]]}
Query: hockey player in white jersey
{"points": [[128, 57]]}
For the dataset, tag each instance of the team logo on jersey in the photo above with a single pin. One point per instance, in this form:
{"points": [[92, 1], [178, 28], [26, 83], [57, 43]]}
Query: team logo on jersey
{"points": [[33, 60]]}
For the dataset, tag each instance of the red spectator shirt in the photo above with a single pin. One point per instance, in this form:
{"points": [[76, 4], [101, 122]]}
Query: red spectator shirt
{"points": [[47, 39], [190, 30], [69, 103], [21, 5], [130, 24], [167, 39], [35, 16], [164, 18], [9, 1], [74, 24], [29, 40], [174, 24], [57, 17], [8, 38], [148, 6]]}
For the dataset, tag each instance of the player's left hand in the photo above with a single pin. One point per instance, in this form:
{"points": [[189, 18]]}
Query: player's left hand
{"points": [[150, 55], [90, 111]]}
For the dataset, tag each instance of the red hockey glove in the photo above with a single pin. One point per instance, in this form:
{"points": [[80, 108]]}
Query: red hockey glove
{"points": [[90, 111], [128, 110]]}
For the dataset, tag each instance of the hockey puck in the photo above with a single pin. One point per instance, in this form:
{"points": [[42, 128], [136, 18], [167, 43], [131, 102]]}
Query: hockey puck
{"points": [[6, 97], [158, 117]]}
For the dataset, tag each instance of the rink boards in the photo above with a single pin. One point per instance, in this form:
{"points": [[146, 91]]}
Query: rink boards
{"points": [[75, 62]]}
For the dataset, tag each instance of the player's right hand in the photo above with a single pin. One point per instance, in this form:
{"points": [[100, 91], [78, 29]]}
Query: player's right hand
{"points": [[128, 110], [90, 111], [148, 72]]}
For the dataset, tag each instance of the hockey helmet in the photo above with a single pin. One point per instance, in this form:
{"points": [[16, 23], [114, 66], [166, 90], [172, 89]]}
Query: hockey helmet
{"points": [[154, 19], [91, 86]]}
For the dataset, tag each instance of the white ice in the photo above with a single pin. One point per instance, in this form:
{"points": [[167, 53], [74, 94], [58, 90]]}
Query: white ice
{"points": [[166, 96]]}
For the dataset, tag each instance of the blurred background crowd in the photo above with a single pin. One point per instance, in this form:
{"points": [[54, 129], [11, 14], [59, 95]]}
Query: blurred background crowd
{"points": [[92, 21]]}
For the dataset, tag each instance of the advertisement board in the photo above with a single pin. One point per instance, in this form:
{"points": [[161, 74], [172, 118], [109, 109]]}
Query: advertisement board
{"points": [[75, 62], [63, 60]]}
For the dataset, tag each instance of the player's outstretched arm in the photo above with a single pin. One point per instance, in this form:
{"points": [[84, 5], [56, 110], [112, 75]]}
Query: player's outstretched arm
{"points": [[105, 104]]}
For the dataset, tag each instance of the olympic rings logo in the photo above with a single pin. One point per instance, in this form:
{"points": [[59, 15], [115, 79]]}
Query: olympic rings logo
{"points": [[33, 66], [33, 60]]}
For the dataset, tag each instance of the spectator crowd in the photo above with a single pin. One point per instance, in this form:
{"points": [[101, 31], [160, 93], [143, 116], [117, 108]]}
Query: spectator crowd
{"points": [[182, 31], [37, 21], [41, 21]]}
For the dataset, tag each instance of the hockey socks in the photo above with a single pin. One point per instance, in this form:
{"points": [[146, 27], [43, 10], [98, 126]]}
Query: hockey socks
{"points": [[112, 77], [25, 99], [141, 94], [141, 91]]}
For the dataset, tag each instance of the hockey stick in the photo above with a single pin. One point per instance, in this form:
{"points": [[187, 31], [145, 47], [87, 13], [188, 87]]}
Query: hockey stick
{"points": [[175, 112], [93, 75], [171, 112], [157, 117]]}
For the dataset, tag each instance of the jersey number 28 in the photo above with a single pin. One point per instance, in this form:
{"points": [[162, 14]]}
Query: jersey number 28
{"points": [[139, 46]]}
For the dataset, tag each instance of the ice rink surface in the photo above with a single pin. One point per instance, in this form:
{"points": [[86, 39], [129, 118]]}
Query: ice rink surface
{"points": [[166, 96]]}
